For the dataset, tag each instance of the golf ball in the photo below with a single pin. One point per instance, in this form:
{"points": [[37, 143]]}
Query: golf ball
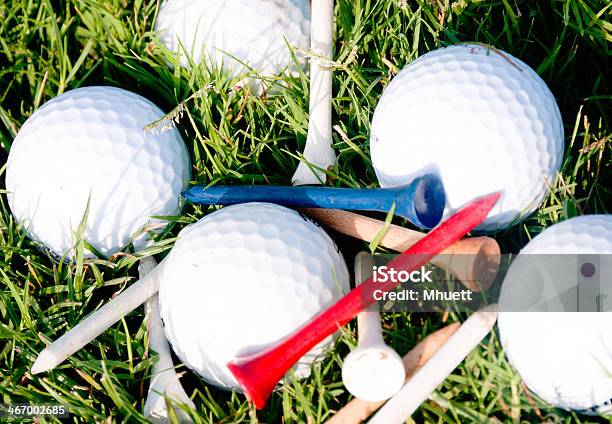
{"points": [[566, 357], [88, 147], [241, 279], [237, 34], [480, 118]]}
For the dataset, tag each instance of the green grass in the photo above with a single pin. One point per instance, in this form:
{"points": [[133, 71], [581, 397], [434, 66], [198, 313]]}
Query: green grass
{"points": [[50, 46]]}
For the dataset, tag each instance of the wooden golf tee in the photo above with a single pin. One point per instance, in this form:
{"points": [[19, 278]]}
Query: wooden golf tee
{"points": [[318, 150], [259, 374], [418, 388], [98, 322], [473, 261], [359, 410]]}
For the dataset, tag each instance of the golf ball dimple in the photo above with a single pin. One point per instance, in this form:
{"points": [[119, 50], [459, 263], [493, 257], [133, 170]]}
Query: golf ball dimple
{"points": [[566, 357], [241, 279], [238, 34], [480, 118], [89, 146]]}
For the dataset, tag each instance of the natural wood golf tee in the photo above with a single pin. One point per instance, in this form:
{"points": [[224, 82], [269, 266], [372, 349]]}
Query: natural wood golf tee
{"points": [[474, 261], [259, 374]]}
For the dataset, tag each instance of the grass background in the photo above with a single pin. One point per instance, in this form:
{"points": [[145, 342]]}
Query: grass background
{"points": [[48, 47]]}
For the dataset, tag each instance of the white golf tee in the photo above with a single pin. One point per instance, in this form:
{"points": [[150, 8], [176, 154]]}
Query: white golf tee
{"points": [[164, 379], [98, 322], [372, 371], [418, 388], [318, 151]]}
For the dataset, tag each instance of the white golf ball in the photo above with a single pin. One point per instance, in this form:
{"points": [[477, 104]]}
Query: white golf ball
{"points": [[89, 145], [480, 118], [241, 279], [566, 357], [237, 34]]}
